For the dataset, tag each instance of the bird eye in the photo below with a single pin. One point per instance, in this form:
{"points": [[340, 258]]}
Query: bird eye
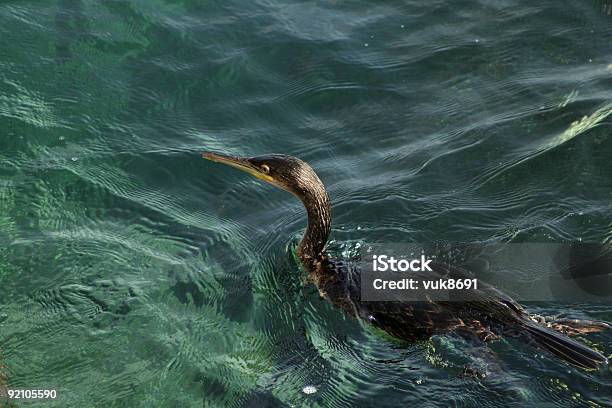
{"points": [[265, 168]]}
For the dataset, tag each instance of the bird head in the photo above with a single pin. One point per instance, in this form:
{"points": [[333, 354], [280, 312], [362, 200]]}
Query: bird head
{"points": [[283, 171]]}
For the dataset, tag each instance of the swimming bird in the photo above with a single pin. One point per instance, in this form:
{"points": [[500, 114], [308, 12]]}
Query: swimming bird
{"points": [[487, 315]]}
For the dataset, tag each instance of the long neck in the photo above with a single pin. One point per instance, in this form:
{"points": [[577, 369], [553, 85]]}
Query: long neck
{"points": [[317, 205]]}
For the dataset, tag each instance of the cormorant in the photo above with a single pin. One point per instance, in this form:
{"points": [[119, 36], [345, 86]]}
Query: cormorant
{"points": [[488, 315]]}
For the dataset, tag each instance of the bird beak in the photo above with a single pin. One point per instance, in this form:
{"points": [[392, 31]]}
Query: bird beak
{"points": [[239, 163]]}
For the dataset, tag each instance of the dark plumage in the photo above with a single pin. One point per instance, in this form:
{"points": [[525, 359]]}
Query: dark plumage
{"points": [[487, 316]]}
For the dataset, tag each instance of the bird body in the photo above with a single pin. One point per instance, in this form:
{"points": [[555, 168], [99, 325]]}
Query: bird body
{"points": [[487, 314]]}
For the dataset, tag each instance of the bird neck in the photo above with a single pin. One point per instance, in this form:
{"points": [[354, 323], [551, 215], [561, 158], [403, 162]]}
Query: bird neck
{"points": [[318, 208]]}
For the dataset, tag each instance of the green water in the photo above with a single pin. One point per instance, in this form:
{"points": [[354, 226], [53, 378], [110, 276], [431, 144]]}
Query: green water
{"points": [[135, 274]]}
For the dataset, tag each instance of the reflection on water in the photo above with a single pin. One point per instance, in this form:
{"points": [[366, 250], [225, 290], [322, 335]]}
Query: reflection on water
{"points": [[133, 273]]}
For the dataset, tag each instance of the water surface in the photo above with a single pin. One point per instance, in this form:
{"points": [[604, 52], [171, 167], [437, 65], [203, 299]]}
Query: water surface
{"points": [[135, 274]]}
